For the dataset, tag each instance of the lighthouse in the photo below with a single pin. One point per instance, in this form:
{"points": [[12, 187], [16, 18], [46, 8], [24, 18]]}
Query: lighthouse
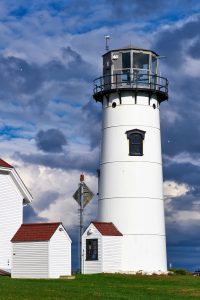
{"points": [[130, 174]]}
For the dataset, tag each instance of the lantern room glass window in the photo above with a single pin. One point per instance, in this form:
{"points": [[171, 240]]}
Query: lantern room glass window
{"points": [[126, 60], [140, 61], [141, 68], [154, 65], [92, 249], [135, 138]]}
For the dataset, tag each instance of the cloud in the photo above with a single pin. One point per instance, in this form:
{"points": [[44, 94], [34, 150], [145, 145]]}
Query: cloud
{"points": [[51, 140], [194, 50], [138, 8], [182, 224], [50, 53], [30, 216], [52, 193], [173, 189], [91, 123]]}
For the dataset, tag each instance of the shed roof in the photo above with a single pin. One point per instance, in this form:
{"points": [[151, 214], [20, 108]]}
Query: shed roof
{"points": [[35, 232], [4, 164], [107, 228]]}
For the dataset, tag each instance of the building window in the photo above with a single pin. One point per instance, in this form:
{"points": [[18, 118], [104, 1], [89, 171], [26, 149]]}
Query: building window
{"points": [[135, 138], [92, 249]]}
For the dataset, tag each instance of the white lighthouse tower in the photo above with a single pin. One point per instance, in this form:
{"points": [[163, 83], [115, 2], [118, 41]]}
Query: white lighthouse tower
{"points": [[131, 180]]}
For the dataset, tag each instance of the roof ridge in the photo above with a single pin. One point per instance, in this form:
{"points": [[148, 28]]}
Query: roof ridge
{"points": [[107, 228], [42, 223], [102, 222], [36, 232]]}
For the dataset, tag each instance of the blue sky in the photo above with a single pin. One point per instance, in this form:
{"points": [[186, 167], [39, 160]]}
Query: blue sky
{"points": [[50, 52]]}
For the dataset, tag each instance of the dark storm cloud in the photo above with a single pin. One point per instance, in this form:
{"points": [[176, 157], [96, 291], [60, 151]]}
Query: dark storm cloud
{"points": [[30, 216], [183, 241], [194, 50], [46, 198], [183, 244], [145, 9], [182, 135], [20, 78], [172, 42], [72, 67], [182, 172], [136, 8], [91, 124], [183, 203], [51, 140], [87, 162], [180, 43]]}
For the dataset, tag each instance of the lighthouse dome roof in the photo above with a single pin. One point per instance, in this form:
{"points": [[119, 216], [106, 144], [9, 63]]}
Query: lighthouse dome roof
{"points": [[131, 47]]}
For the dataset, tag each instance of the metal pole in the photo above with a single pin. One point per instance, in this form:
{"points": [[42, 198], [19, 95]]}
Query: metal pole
{"points": [[81, 219]]}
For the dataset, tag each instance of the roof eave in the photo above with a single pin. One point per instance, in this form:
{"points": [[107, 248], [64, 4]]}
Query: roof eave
{"points": [[27, 197], [131, 48]]}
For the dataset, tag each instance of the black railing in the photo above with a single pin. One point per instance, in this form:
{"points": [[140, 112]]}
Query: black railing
{"points": [[135, 80]]}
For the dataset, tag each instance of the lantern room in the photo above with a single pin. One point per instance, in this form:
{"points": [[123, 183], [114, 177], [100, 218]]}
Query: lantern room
{"points": [[131, 68]]}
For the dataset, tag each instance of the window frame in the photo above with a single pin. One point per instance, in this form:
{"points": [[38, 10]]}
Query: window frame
{"points": [[129, 134], [88, 257]]}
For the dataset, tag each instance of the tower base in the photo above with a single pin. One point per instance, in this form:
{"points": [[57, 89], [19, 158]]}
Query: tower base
{"points": [[144, 253]]}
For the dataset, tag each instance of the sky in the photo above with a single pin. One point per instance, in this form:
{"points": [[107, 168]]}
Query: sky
{"points": [[50, 52]]}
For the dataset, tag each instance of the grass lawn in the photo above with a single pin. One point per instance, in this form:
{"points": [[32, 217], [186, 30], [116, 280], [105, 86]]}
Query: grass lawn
{"points": [[102, 286]]}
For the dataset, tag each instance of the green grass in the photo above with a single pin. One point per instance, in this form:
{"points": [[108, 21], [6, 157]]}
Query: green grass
{"points": [[102, 286]]}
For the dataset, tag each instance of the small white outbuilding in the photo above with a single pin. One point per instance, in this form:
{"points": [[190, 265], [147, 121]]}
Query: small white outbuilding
{"points": [[41, 250], [101, 248]]}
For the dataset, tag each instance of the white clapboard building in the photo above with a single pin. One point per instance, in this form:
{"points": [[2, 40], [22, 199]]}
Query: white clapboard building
{"points": [[101, 248], [41, 250], [13, 195]]}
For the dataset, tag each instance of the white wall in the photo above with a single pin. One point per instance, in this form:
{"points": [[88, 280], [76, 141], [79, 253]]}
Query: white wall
{"points": [[112, 254], [59, 254], [93, 266], [30, 260], [152, 249], [131, 187], [10, 217]]}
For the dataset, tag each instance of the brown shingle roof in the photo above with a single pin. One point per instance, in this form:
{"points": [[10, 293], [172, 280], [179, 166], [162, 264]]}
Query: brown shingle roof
{"points": [[4, 164], [106, 228], [35, 232]]}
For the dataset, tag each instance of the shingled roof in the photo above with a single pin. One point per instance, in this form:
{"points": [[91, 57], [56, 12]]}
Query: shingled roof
{"points": [[4, 164], [35, 232], [107, 228]]}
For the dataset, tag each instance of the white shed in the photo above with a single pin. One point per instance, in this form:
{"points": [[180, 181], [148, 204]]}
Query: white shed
{"points": [[101, 248], [13, 195], [41, 250]]}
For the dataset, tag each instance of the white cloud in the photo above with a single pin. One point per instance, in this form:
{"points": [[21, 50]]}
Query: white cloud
{"points": [[184, 157], [191, 67], [184, 217], [170, 116], [44, 182], [173, 189]]}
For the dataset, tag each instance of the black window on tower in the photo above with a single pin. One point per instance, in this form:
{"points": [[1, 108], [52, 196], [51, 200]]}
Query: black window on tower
{"points": [[92, 249], [135, 138]]}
